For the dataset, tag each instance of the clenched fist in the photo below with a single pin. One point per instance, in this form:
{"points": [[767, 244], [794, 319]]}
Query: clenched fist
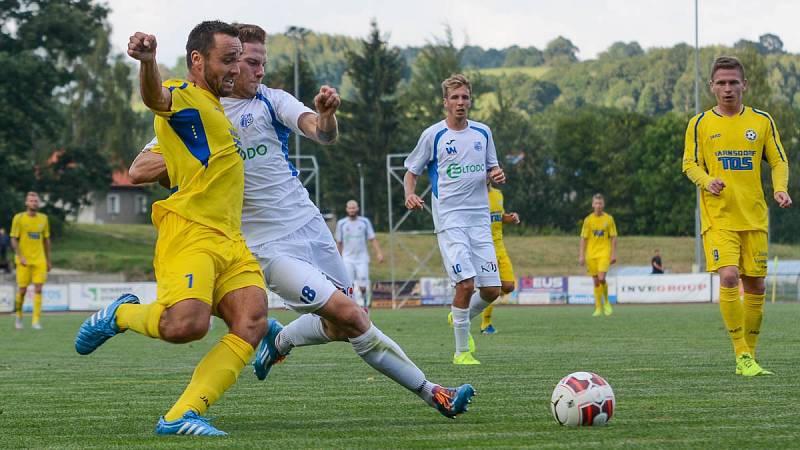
{"points": [[142, 47]]}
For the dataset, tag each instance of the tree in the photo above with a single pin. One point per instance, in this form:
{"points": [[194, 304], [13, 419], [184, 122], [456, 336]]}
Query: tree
{"points": [[41, 45], [369, 124], [560, 51], [422, 98]]}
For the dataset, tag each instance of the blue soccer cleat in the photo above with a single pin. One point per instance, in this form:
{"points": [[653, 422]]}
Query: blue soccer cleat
{"points": [[488, 330], [267, 354], [101, 326], [191, 424], [453, 401]]}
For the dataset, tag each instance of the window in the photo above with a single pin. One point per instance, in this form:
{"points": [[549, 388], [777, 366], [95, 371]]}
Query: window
{"points": [[140, 204], [112, 203]]}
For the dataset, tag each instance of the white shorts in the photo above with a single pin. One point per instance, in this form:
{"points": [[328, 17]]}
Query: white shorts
{"points": [[304, 267], [359, 272], [469, 253]]}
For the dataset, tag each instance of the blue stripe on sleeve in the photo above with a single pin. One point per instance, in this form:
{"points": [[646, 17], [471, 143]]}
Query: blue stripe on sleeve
{"points": [[695, 136], [281, 130], [433, 166], [774, 139]]}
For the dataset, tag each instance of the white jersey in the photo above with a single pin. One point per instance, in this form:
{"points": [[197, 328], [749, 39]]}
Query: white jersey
{"points": [[457, 164], [275, 201], [353, 234]]}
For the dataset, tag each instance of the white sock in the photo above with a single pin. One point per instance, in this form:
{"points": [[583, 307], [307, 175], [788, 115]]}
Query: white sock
{"points": [[461, 328], [477, 304], [385, 356], [305, 330]]}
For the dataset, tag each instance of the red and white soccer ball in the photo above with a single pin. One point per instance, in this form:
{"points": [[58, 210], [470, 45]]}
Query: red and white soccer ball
{"points": [[582, 399]]}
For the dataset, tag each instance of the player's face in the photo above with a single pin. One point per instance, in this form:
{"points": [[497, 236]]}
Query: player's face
{"points": [[221, 67], [598, 205], [457, 103], [352, 210], [251, 70], [728, 86], [32, 202]]}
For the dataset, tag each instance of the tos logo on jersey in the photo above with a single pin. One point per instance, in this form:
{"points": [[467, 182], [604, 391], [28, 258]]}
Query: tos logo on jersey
{"points": [[750, 134], [246, 120]]}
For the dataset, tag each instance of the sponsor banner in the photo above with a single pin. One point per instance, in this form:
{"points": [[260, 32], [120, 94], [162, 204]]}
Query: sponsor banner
{"points": [[6, 298], [387, 303], [436, 291], [664, 288], [382, 290], [93, 296], [580, 290], [542, 290], [55, 297]]}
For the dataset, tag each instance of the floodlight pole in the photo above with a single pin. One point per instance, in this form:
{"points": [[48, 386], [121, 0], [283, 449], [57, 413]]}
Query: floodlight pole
{"points": [[297, 34], [699, 255], [361, 204]]}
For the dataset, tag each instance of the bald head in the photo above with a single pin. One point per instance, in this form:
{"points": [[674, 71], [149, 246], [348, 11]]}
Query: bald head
{"points": [[352, 208]]}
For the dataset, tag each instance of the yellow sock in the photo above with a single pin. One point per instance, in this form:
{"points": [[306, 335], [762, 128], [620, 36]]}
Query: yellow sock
{"points": [[37, 307], [216, 372], [18, 300], [753, 313], [142, 319], [486, 316], [604, 284], [733, 316], [598, 297]]}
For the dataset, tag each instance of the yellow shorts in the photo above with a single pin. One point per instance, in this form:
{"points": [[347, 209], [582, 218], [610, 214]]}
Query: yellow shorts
{"points": [[193, 261], [504, 265], [746, 250], [35, 273], [598, 265]]}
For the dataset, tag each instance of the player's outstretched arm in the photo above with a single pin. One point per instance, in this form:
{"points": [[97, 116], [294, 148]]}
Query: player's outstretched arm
{"points": [[148, 167], [142, 47], [323, 127], [413, 201]]}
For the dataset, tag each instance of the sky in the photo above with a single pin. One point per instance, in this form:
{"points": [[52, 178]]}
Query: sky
{"points": [[592, 25]]}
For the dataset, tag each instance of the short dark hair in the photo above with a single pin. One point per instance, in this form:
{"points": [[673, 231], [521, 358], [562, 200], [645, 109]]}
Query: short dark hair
{"points": [[251, 34], [201, 37], [727, 62]]}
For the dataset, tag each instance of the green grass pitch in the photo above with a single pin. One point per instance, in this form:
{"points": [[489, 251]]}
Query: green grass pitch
{"points": [[671, 368]]}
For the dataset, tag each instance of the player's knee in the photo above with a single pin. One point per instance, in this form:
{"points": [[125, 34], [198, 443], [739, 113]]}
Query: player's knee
{"points": [[183, 331], [348, 319], [729, 279], [466, 285], [507, 287], [491, 293]]}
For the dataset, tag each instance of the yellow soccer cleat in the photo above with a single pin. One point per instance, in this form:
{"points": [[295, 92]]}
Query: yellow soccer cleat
{"points": [[607, 310], [748, 367], [471, 340], [597, 312], [465, 359]]}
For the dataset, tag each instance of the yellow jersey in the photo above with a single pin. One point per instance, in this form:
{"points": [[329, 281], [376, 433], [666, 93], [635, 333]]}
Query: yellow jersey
{"points": [[496, 212], [31, 231], [731, 149], [200, 148], [598, 231]]}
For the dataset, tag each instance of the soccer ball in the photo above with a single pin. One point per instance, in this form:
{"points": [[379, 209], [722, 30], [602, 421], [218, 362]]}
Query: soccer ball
{"points": [[582, 399]]}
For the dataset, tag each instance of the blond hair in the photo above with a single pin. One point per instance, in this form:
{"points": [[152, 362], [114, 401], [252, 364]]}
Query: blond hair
{"points": [[454, 82]]}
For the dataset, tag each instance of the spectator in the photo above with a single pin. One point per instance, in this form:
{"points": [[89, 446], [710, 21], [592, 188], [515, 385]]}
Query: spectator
{"points": [[658, 266]]}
